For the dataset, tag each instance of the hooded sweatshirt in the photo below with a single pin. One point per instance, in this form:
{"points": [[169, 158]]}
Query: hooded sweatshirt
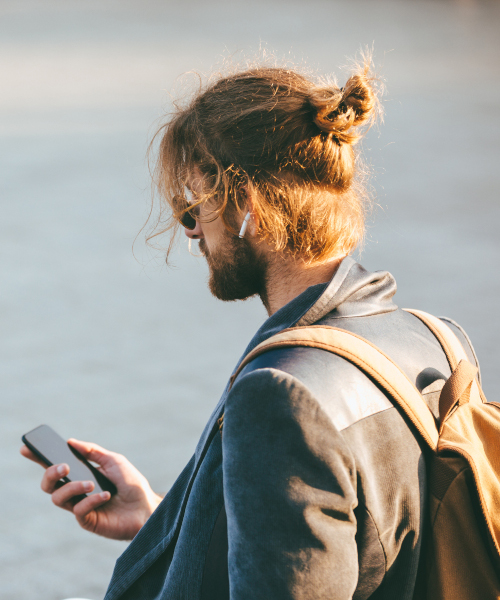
{"points": [[316, 488]]}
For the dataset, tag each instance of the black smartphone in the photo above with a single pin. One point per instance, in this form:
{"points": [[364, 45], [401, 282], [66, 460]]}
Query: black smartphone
{"points": [[53, 450]]}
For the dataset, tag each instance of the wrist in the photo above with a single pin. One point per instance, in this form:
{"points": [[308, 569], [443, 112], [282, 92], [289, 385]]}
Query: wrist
{"points": [[153, 500]]}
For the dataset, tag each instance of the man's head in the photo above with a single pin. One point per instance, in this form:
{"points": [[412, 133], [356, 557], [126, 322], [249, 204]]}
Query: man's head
{"points": [[272, 142]]}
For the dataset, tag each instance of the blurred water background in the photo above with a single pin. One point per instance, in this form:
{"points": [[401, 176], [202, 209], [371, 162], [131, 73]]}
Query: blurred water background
{"points": [[132, 355]]}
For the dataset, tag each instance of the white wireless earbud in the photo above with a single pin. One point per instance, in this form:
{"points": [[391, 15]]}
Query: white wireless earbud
{"points": [[244, 225]]}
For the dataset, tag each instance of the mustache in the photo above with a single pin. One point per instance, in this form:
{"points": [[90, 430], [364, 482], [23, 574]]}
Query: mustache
{"points": [[203, 247]]}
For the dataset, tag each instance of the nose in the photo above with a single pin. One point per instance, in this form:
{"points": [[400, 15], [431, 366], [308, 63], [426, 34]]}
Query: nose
{"points": [[196, 233]]}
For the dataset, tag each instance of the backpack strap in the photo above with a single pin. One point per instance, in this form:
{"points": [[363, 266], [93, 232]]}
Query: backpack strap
{"points": [[367, 357], [449, 342], [457, 390], [455, 354]]}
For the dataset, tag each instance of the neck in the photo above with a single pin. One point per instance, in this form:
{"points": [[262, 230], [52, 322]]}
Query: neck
{"points": [[287, 278]]}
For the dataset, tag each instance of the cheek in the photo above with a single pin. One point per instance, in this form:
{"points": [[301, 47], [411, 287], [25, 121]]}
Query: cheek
{"points": [[214, 233]]}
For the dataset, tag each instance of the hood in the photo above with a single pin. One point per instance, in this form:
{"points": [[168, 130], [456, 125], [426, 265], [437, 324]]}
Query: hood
{"points": [[352, 292]]}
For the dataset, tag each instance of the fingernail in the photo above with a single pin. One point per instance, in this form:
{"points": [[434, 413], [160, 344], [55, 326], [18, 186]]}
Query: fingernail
{"points": [[61, 469], [87, 486], [105, 495]]}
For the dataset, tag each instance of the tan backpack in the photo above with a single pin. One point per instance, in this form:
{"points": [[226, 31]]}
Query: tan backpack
{"points": [[461, 556]]}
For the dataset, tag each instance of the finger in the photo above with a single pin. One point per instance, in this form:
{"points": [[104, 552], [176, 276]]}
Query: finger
{"points": [[90, 503], [70, 493], [52, 476], [93, 452], [27, 453]]}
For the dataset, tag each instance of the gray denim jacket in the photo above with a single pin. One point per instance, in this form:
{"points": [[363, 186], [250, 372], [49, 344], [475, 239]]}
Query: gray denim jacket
{"points": [[322, 480]]}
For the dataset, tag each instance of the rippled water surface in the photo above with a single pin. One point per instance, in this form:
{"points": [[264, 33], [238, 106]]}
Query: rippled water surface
{"points": [[124, 352]]}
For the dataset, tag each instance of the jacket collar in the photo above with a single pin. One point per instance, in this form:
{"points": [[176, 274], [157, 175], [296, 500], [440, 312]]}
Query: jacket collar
{"points": [[352, 292]]}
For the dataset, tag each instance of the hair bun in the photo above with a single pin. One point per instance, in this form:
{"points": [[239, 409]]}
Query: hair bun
{"points": [[338, 110]]}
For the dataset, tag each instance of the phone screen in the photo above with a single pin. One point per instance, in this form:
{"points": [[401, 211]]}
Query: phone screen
{"points": [[53, 449]]}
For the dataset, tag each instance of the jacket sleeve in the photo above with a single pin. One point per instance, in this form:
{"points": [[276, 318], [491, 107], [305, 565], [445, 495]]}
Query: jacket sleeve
{"points": [[290, 494]]}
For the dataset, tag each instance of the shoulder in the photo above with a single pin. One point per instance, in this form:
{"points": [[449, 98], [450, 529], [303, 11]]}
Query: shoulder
{"points": [[276, 430], [307, 381]]}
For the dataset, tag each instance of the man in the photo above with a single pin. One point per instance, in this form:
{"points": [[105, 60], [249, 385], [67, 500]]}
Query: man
{"points": [[307, 482]]}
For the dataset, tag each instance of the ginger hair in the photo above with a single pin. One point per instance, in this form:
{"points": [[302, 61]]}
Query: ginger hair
{"points": [[289, 139]]}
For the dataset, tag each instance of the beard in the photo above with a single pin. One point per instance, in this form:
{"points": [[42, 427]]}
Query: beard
{"points": [[236, 272]]}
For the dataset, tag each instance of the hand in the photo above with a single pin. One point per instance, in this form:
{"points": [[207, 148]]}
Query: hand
{"points": [[119, 517]]}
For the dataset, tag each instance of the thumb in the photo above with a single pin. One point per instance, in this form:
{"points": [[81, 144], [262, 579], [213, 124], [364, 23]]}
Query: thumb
{"points": [[92, 452]]}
